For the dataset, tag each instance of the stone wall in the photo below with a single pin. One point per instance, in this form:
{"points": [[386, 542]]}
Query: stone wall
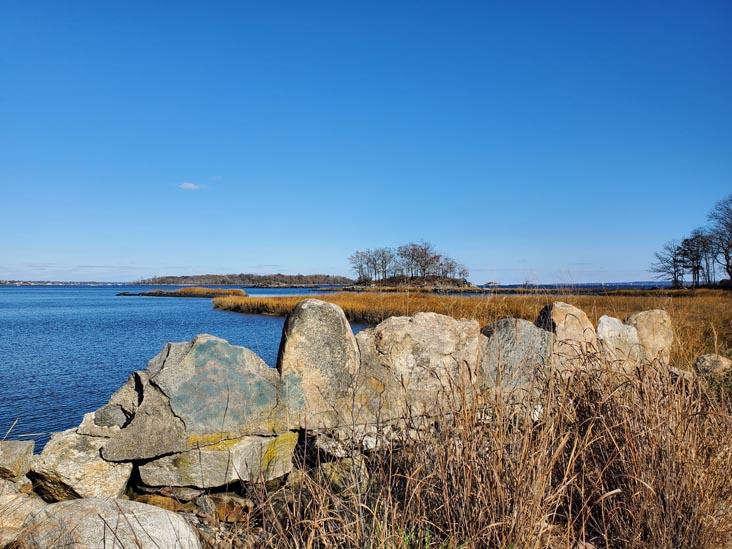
{"points": [[205, 414]]}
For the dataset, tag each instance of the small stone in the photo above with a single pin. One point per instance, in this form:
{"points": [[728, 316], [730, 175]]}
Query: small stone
{"points": [[170, 504], [686, 375], [230, 507], [347, 474], [90, 427], [16, 457], [180, 493], [713, 365]]}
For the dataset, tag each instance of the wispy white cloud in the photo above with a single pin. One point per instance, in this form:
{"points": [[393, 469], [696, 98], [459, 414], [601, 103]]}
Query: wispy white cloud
{"points": [[189, 186]]}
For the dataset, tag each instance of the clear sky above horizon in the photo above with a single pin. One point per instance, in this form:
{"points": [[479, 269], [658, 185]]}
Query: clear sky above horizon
{"points": [[532, 141]]}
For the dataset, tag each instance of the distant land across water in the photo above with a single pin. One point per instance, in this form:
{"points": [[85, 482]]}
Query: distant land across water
{"points": [[639, 284]]}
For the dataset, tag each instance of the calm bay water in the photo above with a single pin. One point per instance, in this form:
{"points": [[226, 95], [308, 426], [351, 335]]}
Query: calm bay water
{"points": [[65, 349]]}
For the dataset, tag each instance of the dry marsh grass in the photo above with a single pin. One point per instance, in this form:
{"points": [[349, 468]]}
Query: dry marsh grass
{"points": [[611, 460], [599, 459], [702, 319], [616, 461], [196, 292]]}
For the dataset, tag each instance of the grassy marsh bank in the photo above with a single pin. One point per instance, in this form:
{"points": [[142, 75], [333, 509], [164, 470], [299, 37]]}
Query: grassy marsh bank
{"points": [[702, 318], [190, 292]]}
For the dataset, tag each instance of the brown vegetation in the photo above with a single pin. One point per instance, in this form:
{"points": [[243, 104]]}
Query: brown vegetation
{"points": [[702, 318], [191, 292], [603, 461]]}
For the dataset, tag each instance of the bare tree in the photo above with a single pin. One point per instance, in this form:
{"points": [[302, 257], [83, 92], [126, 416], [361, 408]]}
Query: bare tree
{"points": [[407, 254], [359, 264], [669, 264], [448, 267], [426, 258], [384, 259], [690, 252], [721, 233], [410, 260], [372, 264]]}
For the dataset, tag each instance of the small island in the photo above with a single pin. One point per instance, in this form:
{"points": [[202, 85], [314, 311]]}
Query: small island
{"points": [[189, 292]]}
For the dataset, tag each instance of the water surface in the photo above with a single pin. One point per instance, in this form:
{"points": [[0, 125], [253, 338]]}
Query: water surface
{"points": [[65, 349]]}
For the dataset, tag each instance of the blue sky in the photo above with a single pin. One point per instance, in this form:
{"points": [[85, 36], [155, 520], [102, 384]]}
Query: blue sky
{"points": [[541, 141]]}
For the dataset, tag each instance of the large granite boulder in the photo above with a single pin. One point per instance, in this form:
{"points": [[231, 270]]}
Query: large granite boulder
{"points": [[198, 394], [108, 523], [415, 366], [248, 459], [16, 457], [619, 341], [576, 340], [655, 334], [70, 467], [317, 361], [514, 353]]}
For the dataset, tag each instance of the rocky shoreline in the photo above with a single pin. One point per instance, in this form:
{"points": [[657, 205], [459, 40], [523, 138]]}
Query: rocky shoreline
{"points": [[173, 455]]}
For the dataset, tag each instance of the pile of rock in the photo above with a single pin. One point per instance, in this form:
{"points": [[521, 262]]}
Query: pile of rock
{"points": [[206, 415]]}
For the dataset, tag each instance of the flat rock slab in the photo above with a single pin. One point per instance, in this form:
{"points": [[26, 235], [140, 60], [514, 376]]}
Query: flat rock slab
{"points": [[514, 352], [70, 467], [317, 361], [106, 523], [249, 459], [16, 457]]}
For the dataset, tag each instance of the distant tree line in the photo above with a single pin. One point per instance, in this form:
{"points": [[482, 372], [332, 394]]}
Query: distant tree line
{"points": [[698, 257], [412, 261], [249, 279]]}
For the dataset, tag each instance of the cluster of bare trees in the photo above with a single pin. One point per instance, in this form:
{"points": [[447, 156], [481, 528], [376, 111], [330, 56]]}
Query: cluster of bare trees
{"points": [[413, 260], [698, 257]]}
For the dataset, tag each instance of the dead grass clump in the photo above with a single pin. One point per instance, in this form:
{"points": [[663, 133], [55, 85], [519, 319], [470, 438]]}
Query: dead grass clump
{"points": [[632, 460], [650, 464]]}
